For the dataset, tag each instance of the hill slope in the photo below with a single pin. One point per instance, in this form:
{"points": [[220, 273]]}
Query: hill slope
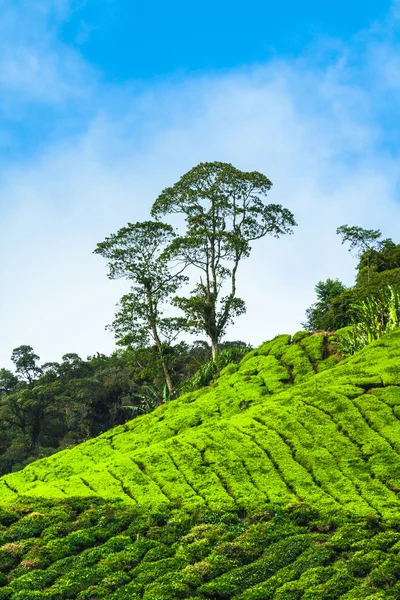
{"points": [[282, 481], [272, 430]]}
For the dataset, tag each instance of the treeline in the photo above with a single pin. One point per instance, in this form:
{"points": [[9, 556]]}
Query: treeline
{"points": [[52, 406]]}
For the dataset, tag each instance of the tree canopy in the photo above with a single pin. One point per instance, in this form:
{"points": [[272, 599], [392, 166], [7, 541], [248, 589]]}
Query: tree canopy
{"points": [[224, 212], [137, 252], [316, 315], [363, 241]]}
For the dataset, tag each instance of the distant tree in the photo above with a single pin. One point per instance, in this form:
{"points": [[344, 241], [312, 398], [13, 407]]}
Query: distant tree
{"points": [[74, 367], [227, 345], [364, 241], [8, 381], [14, 410], [136, 252], [385, 257], [25, 361], [224, 211], [38, 400], [318, 314]]}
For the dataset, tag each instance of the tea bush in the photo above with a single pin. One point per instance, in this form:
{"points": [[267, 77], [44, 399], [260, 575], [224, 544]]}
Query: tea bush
{"points": [[274, 553]]}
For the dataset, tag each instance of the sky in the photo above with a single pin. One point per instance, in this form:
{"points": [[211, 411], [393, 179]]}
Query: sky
{"points": [[104, 104]]}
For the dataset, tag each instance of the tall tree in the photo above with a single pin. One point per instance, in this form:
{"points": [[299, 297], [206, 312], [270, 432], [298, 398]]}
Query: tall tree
{"points": [[137, 253], [363, 241], [224, 211]]}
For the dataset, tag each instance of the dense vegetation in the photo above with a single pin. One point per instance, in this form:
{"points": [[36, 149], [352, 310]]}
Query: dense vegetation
{"points": [[148, 458], [378, 267], [280, 480], [56, 405], [86, 549], [223, 213], [48, 407]]}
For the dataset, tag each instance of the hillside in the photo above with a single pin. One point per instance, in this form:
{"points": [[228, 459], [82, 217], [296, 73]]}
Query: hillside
{"points": [[271, 430], [172, 453], [281, 481]]}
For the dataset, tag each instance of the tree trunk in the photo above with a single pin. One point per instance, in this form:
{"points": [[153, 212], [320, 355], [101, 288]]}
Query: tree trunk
{"points": [[167, 376], [368, 268], [214, 348], [36, 430]]}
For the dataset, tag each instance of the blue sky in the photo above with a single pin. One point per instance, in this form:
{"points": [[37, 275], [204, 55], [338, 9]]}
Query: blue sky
{"points": [[103, 104], [129, 40]]}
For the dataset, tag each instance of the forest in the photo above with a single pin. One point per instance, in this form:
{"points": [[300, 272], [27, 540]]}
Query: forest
{"points": [[210, 469]]}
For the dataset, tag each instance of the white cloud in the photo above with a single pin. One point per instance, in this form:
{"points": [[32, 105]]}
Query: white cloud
{"points": [[34, 65], [311, 130]]}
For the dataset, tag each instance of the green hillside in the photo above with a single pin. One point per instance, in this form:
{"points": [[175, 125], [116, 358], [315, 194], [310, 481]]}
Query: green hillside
{"points": [[187, 451], [271, 430], [280, 481]]}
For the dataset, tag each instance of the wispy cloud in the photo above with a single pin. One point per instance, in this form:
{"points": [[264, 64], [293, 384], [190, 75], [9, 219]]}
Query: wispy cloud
{"points": [[34, 65], [315, 126]]}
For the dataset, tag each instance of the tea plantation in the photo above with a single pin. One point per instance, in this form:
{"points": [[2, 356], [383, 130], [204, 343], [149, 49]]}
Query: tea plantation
{"points": [[282, 480]]}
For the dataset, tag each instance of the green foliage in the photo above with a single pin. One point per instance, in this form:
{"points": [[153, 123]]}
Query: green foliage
{"points": [[137, 252], [341, 311], [25, 361], [384, 258], [278, 427], [224, 363], [76, 399], [378, 267], [116, 551], [359, 239], [224, 212], [316, 315], [373, 318], [278, 481]]}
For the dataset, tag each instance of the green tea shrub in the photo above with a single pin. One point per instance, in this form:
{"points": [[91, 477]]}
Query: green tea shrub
{"points": [[289, 591], [159, 552], [7, 516], [317, 575], [35, 580], [314, 346], [387, 573], [118, 543], [259, 487], [334, 588], [300, 335], [271, 553], [278, 556], [362, 563], [302, 514], [346, 536]]}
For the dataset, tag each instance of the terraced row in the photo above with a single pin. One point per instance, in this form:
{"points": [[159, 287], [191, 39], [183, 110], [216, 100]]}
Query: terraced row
{"points": [[89, 550]]}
